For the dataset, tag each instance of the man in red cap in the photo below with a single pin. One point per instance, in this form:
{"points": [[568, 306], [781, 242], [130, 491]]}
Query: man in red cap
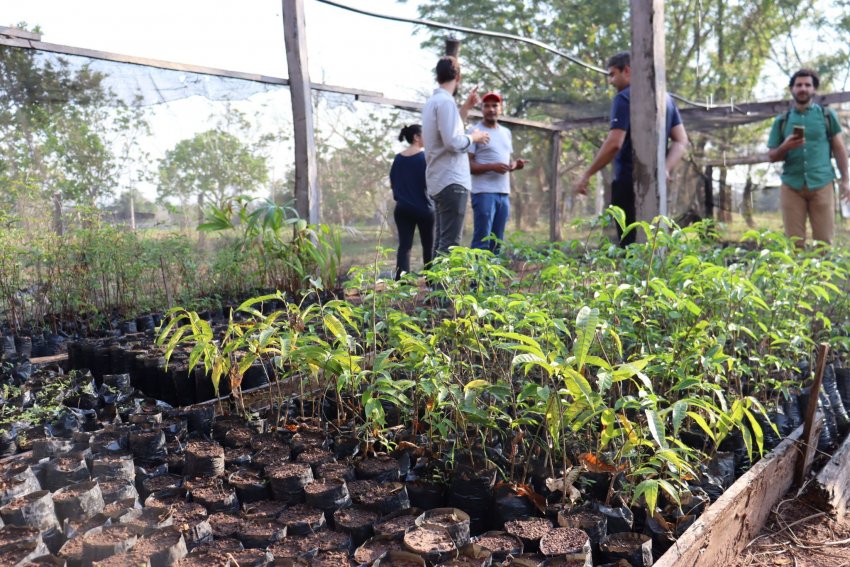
{"points": [[490, 165]]}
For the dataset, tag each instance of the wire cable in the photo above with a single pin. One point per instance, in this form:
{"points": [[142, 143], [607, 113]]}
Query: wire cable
{"points": [[534, 42], [440, 25]]}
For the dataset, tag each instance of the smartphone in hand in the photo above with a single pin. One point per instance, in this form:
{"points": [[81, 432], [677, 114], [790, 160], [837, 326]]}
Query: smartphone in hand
{"points": [[799, 131]]}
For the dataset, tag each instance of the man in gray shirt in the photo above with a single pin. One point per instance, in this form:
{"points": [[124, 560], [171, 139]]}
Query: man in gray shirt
{"points": [[447, 175], [490, 166]]}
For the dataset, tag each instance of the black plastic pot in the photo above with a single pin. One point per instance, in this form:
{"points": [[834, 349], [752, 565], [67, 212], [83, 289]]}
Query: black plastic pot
{"points": [[8, 441], [617, 519], [117, 490], [62, 471], [355, 522], [287, 481], [250, 486], [471, 491], [830, 388], [169, 544], [102, 543], [19, 479], [204, 459], [79, 501], [147, 444], [260, 533], [34, 510], [184, 387], [508, 505], [633, 547]]}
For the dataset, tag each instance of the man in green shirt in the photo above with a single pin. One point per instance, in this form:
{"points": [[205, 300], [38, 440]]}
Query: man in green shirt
{"points": [[806, 138]]}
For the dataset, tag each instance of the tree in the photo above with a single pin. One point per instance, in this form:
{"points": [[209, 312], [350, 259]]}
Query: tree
{"points": [[716, 49], [355, 177], [210, 167], [56, 117]]}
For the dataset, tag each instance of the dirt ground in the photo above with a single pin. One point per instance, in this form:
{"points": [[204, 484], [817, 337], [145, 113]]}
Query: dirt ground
{"points": [[800, 534]]}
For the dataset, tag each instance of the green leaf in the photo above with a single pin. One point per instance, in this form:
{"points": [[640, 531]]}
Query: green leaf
{"points": [[649, 490], [586, 322], [656, 427]]}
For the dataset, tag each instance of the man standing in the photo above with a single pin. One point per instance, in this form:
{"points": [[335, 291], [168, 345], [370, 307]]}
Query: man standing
{"points": [[618, 145], [491, 184], [447, 167], [805, 138]]}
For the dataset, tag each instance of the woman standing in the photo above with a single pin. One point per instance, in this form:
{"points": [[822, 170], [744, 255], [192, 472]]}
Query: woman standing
{"points": [[413, 207]]}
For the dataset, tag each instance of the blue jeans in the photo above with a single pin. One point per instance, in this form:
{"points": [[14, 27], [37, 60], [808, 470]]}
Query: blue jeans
{"points": [[490, 213]]}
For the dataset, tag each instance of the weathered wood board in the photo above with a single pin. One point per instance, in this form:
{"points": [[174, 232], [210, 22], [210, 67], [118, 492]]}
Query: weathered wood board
{"points": [[729, 524]]}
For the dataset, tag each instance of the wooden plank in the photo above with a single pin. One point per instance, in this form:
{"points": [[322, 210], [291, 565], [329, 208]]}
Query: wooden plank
{"points": [[555, 189], [743, 113], [810, 440], [831, 487], [307, 194], [17, 32], [648, 109], [413, 106], [48, 359], [719, 535]]}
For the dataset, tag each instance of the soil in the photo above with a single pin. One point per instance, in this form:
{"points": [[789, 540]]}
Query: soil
{"points": [[186, 515], [500, 544], [238, 437], [421, 540], [162, 482], [382, 467], [530, 529], [324, 540], [315, 457], [204, 449], [563, 540], [223, 525], [374, 548], [376, 495], [799, 534], [335, 470], [263, 509], [15, 534], [354, 518], [159, 542], [621, 542], [301, 519], [444, 520], [330, 559], [260, 533], [237, 456], [397, 524], [117, 537]]}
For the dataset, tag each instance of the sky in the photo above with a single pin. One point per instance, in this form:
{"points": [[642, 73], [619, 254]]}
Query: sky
{"points": [[344, 48]]}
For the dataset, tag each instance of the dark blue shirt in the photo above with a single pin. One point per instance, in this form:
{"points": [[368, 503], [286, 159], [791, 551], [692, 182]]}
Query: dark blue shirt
{"points": [[620, 120], [407, 178]]}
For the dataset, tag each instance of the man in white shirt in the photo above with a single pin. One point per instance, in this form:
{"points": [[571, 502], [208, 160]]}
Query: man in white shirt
{"points": [[490, 166], [447, 168]]}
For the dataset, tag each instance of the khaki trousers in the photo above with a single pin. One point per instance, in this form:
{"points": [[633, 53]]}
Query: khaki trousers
{"points": [[816, 204]]}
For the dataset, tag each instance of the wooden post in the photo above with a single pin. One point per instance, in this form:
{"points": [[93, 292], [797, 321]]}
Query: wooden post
{"points": [[132, 213], [709, 192], [555, 189], [58, 225], [307, 194], [452, 46], [808, 441], [648, 109]]}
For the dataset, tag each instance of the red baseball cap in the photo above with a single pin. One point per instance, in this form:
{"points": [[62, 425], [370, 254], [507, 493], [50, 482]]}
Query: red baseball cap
{"points": [[492, 94]]}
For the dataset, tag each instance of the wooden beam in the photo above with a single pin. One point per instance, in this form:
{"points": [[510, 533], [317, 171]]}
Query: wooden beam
{"points": [[744, 113], [307, 194], [831, 486], [718, 536], [555, 189], [810, 440], [173, 66], [648, 109], [19, 33], [709, 192]]}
